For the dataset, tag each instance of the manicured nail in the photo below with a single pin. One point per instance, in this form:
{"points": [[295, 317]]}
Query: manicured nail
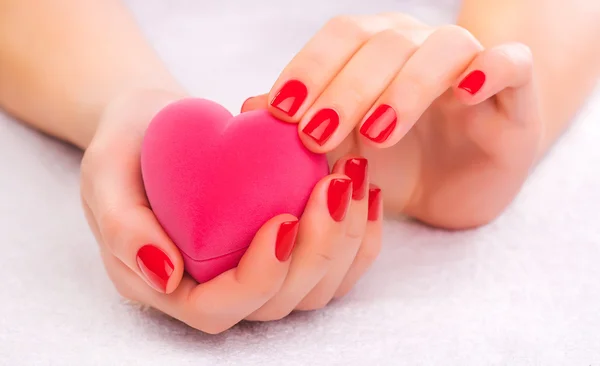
{"points": [[338, 198], [473, 82], [290, 97], [155, 265], [322, 125], [380, 124], [286, 239], [374, 203], [356, 169]]}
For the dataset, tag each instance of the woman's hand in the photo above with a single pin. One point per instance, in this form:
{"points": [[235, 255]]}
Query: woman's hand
{"points": [[291, 264], [450, 128]]}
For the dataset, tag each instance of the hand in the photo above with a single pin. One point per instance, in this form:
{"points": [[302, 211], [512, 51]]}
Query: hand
{"points": [[290, 264], [450, 128]]}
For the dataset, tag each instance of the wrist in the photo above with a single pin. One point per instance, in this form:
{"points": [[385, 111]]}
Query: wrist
{"points": [[139, 105]]}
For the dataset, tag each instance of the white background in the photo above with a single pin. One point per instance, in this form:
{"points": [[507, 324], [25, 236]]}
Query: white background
{"points": [[523, 291]]}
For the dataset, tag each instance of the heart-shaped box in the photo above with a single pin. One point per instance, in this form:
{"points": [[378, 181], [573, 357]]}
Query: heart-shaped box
{"points": [[213, 180]]}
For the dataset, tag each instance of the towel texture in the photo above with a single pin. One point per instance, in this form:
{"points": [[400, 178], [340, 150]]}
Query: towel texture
{"points": [[522, 291]]}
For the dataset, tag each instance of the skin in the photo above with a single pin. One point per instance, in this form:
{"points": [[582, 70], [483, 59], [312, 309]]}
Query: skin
{"points": [[455, 160]]}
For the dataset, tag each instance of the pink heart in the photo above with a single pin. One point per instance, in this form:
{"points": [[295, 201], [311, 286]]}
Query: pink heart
{"points": [[213, 180]]}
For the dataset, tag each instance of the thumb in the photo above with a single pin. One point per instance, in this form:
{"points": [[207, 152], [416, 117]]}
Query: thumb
{"points": [[254, 103]]}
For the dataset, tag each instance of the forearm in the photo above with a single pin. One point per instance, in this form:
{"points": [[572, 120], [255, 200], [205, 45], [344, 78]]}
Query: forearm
{"points": [[563, 37], [62, 61]]}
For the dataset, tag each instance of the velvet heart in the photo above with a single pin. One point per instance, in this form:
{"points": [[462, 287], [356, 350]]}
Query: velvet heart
{"points": [[213, 180]]}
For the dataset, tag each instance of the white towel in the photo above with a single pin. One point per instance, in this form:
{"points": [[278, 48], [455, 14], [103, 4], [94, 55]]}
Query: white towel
{"points": [[523, 291]]}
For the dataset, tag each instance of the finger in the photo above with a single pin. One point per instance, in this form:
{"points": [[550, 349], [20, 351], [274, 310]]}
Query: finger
{"points": [[255, 103], [370, 246], [309, 72], [321, 229], [430, 71], [508, 66], [506, 72], [222, 302], [353, 91], [356, 168], [113, 191]]}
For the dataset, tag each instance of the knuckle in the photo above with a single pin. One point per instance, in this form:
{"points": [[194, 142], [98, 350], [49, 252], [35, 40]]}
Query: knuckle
{"points": [[323, 259], [453, 31], [347, 26], [356, 230], [516, 55], [310, 61], [393, 44], [414, 86], [458, 36], [396, 37], [111, 227], [525, 52], [260, 287], [354, 95], [266, 289]]}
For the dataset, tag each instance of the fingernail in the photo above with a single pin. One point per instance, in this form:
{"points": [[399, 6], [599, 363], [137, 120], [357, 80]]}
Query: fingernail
{"points": [[356, 169], [374, 203], [338, 198], [290, 97], [155, 265], [286, 239], [380, 124], [473, 82], [322, 125]]}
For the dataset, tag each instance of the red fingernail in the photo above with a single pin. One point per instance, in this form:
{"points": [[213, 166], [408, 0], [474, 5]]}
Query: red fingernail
{"points": [[473, 82], [338, 198], [322, 125], [380, 124], [374, 203], [356, 169], [290, 97], [286, 239], [155, 265]]}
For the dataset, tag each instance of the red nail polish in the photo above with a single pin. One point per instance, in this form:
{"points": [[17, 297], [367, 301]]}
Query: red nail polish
{"points": [[286, 239], [322, 125], [338, 198], [380, 124], [374, 203], [155, 265], [473, 82], [290, 97], [356, 169]]}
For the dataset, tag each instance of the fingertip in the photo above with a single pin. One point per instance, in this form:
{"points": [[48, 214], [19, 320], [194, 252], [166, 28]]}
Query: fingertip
{"points": [[255, 103], [274, 240], [375, 206], [286, 239], [265, 264], [380, 129], [137, 239], [156, 268]]}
